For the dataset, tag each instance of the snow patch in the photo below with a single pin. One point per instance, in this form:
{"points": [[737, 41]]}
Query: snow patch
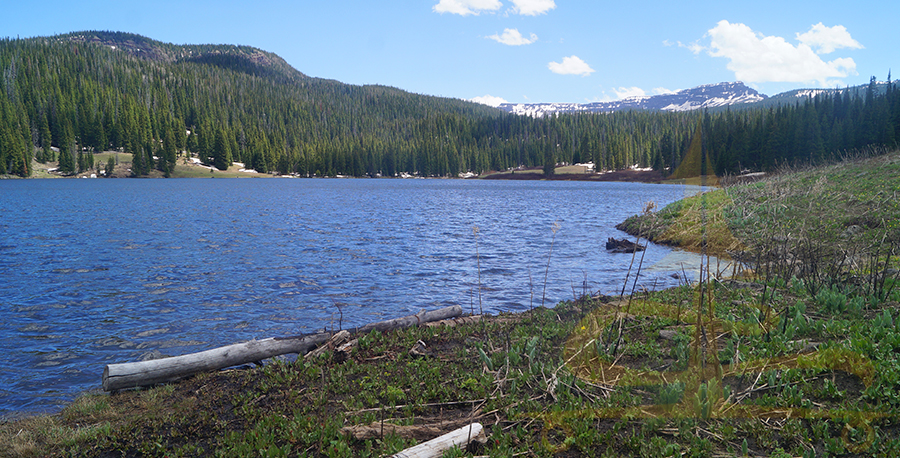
{"points": [[706, 96]]}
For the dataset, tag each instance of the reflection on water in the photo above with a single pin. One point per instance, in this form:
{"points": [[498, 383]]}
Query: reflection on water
{"points": [[102, 271]]}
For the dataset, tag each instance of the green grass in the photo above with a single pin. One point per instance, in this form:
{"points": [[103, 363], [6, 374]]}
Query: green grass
{"points": [[679, 224]]}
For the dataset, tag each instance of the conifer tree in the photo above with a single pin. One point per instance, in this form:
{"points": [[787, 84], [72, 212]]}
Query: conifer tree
{"points": [[549, 163], [102, 139], [222, 151], [67, 151], [46, 154]]}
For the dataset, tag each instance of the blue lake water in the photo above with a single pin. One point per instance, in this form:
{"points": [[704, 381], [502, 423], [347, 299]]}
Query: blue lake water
{"points": [[94, 272]]}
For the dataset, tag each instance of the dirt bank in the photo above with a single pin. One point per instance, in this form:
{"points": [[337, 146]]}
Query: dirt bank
{"points": [[642, 176]]}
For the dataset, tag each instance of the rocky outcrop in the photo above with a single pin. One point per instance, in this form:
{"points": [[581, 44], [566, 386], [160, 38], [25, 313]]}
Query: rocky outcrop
{"points": [[622, 246]]}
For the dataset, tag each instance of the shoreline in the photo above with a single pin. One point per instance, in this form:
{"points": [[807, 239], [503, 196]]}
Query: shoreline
{"points": [[626, 175], [190, 168]]}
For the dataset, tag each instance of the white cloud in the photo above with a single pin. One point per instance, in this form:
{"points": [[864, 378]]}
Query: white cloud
{"points": [[828, 39], [626, 92], [533, 7], [756, 58], [466, 7], [488, 100], [512, 37], [571, 65], [694, 47]]}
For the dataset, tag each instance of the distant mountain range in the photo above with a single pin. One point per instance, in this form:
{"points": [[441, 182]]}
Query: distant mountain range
{"points": [[709, 96], [706, 96]]}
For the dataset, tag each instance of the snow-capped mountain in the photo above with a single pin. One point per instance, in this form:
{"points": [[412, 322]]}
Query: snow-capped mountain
{"points": [[706, 96]]}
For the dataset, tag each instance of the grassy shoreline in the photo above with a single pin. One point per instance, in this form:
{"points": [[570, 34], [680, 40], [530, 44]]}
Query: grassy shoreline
{"points": [[185, 168], [799, 358]]}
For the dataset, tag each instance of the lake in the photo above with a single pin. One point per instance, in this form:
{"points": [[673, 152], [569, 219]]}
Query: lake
{"points": [[108, 271]]}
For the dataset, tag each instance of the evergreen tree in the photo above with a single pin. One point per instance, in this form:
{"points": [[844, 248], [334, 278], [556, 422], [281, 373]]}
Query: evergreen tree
{"points": [[222, 150], [102, 139], [167, 155], [46, 154], [549, 163], [67, 164]]}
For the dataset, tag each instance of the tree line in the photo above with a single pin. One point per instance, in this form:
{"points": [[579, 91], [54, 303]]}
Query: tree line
{"points": [[62, 98]]}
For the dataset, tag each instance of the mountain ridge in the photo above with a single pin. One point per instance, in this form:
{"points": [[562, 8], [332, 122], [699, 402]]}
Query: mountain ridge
{"points": [[714, 96], [700, 97], [259, 62], [247, 59]]}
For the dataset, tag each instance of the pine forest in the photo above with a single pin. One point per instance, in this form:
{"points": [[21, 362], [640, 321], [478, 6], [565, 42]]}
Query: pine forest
{"points": [[63, 98]]}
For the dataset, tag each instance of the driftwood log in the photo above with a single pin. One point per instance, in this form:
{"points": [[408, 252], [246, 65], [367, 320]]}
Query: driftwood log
{"points": [[437, 446], [412, 320], [145, 373]]}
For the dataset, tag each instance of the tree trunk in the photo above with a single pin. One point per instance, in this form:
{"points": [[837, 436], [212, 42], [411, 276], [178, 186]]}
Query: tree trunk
{"points": [[145, 373], [437, 446], [412, 320]]}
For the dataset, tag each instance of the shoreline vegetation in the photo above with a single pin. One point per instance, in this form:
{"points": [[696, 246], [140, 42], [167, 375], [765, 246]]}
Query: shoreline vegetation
{"points": [[187, 167], [796, 354]]}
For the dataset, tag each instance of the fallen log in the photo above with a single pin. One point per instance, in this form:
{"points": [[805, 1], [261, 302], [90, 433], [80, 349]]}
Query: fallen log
{"points": [[411, 320], [336, 340], [145, 373], [437, 446]]}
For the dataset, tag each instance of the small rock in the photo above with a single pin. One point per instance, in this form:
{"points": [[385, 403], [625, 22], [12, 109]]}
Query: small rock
{"points": [[667, 334], [622, 246], [151, 355]]}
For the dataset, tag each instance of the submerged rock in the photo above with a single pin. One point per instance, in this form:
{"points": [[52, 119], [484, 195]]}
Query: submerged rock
{"points": [[622, 246]]}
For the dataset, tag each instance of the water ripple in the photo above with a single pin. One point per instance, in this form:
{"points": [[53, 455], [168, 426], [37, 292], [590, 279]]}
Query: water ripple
{"points": [[103, 271]]}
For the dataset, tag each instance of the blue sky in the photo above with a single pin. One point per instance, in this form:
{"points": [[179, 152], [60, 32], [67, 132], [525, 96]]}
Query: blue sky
{"points": [[518, 50]]}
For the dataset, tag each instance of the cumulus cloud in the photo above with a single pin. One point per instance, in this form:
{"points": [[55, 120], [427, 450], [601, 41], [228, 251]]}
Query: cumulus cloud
{"points": [[488, 100], [694, 47], [626, 92], [827, 39], [571, 65], [533, 7], [466, 7], [756, 58], [512, 37]]}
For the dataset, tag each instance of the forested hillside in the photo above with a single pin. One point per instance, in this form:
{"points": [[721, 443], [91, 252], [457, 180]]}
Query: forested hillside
{"points": [[93, 91]]}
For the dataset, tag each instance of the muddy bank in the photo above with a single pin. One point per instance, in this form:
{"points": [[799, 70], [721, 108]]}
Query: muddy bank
{"points": [[651, 176]]}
